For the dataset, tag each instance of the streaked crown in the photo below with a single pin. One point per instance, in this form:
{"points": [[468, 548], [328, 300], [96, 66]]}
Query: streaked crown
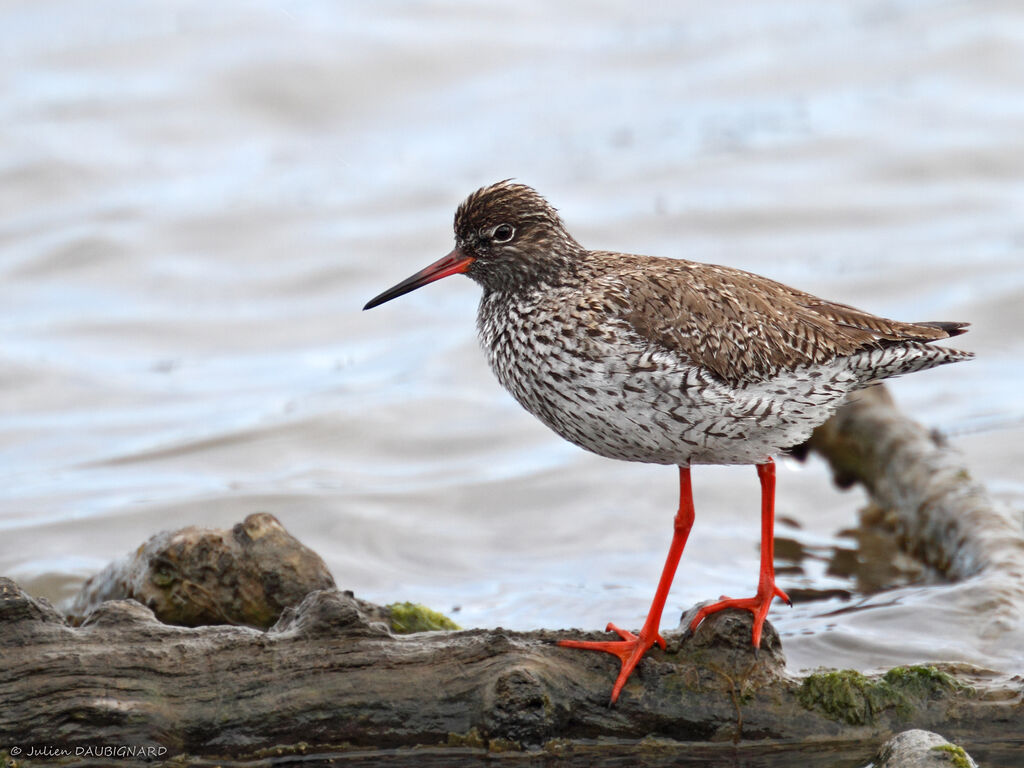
{"points": [[515, 237]]}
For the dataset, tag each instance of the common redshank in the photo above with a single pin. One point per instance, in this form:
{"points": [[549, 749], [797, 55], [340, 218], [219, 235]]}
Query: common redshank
{"points": [[664, 361]]}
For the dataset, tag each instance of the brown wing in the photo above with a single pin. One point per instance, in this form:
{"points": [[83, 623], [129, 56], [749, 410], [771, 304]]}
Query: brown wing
{"points": [[742, 326]]}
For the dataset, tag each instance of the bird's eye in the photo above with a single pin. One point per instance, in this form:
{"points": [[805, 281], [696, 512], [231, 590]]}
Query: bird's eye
{"points": [[503, 233]]}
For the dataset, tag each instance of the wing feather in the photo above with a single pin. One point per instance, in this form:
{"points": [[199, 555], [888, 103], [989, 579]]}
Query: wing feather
{"points": [[742, 326]]}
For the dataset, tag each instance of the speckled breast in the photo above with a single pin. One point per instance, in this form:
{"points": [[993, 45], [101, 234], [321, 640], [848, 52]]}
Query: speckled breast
{"points": [[600, 386]]}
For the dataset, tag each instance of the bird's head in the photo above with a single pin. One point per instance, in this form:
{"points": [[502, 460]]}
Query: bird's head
{"points": [[507, 237]]}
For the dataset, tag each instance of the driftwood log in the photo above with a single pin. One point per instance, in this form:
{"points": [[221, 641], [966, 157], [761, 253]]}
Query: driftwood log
{"points": [[329, 679], [332, 680], [940, 514]]}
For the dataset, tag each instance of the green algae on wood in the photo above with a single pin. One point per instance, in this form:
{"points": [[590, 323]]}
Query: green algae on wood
{"points": [[471, 739], [407, 618], [856, 699], [921, 681], [841, 694]]}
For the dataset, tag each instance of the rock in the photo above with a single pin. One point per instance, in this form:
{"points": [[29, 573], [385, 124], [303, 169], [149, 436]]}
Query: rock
{"points": [[197, 576], [921, 749]]}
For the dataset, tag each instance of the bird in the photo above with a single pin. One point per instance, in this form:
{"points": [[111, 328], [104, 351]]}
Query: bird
{"points": [[664, 361]]}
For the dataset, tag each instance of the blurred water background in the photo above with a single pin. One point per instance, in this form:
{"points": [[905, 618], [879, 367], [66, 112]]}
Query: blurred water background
{"points": [[196, 199]]}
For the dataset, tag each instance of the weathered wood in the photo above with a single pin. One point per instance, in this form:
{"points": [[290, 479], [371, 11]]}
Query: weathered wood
{"points": [[331, 677], [941, 514]]}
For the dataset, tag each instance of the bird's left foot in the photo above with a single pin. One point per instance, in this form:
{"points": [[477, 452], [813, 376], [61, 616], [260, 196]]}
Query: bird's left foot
{"points": [[757, 605], [630, 649]]}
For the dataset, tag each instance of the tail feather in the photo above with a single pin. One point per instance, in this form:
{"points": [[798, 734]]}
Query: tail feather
{"points": [[908, 357], [950, 329]]}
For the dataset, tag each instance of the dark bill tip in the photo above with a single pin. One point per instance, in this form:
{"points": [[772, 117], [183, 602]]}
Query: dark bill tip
{"points": [[452, 264]]}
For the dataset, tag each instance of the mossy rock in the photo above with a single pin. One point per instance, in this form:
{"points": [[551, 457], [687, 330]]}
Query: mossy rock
{"points": [[955, 755]]}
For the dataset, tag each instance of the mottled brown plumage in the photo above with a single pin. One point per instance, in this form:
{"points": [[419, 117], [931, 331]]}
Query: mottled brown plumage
{"points": [[705, 311], [702, 311], [664, 360]]}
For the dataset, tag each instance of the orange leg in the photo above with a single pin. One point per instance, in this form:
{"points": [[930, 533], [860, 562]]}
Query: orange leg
{"points": [[766, 589], [631, 648]]}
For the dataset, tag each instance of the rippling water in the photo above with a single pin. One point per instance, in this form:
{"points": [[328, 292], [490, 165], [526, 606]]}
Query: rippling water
{"points": [[197, 200]]}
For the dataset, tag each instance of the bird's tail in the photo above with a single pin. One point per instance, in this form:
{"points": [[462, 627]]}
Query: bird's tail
{"points": [[950, 329], [907, 357]]}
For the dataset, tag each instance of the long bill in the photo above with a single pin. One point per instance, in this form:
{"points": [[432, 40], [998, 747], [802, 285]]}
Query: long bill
{"points": [[452, 264]]}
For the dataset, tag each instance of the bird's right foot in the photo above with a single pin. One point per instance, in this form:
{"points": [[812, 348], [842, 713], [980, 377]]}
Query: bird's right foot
{"points": [[757, 605]]}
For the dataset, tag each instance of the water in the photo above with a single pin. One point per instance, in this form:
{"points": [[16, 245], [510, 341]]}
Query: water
{"points": [[198, 199]]}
